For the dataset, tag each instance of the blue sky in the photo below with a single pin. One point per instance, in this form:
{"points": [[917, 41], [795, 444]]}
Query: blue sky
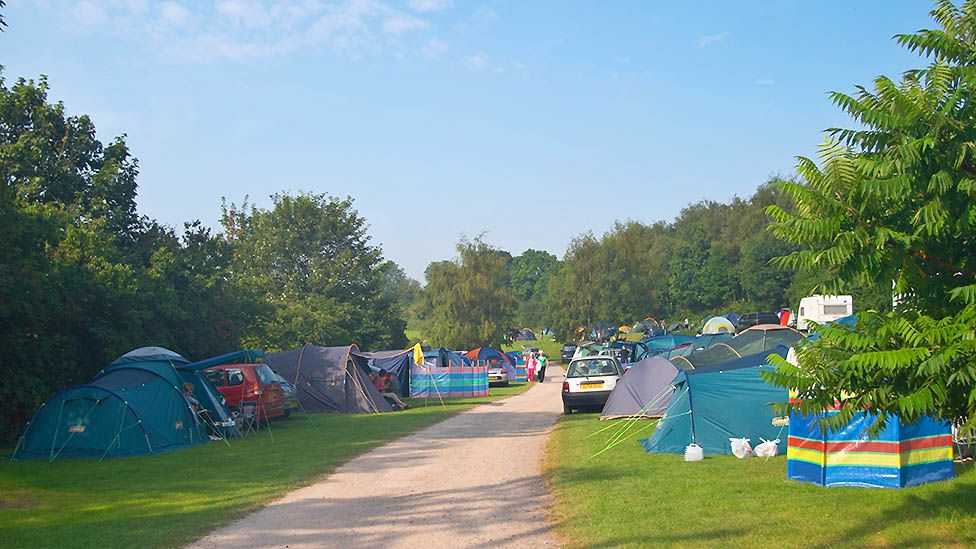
{"points": [[530, 121]]}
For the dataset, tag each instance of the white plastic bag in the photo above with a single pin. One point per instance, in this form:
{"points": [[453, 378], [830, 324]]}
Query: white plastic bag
{"points": [[767, 449], [741, 447]]}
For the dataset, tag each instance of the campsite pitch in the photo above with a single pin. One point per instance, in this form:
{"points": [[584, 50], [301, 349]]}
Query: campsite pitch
{"points": [[628, 498], [174, 498], [473, 480]]}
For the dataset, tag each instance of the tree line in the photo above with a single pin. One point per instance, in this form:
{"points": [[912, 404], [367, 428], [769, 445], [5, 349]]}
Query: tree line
{"points": [[713, 257], [84, 278]]}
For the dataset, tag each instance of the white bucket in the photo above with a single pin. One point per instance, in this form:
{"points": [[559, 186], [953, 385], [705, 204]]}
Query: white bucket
{"points": [[694, 452]]}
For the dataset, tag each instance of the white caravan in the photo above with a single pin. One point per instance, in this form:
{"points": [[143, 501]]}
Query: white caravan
{"points": [[823, 308]]}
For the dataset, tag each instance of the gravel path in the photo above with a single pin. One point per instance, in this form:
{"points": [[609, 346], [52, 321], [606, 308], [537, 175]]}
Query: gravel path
{"points": [[471, 480]]}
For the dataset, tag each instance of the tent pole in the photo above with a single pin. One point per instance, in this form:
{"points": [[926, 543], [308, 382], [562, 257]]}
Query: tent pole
{"points": [[118, 432], [57, 427], [432, 380], [20, 441], [72, 434]]}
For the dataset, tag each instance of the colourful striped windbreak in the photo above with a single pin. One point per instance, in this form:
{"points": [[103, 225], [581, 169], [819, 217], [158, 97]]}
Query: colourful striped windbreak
{"points": [[452, 382], [521, 373], [901, 455]]}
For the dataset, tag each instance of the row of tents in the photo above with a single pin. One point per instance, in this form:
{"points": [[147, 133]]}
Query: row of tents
{"points": [[136, 406], [716, 391]]}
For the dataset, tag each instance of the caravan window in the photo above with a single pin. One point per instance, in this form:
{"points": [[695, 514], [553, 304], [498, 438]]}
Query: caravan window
{"points": [[801, 311], [835, 309]]}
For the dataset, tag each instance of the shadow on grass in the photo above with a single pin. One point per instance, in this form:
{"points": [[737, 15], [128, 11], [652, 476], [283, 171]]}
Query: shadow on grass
{"points": [[918, 504], [173, 498]]}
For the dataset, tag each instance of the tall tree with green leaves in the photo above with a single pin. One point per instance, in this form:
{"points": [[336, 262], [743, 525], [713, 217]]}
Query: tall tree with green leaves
{"points": [[310, 258], [530, 274], [468, 302], [893, 204]]}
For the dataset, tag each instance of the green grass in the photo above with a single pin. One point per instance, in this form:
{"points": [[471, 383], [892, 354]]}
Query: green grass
{"points": [[171, 499], [626, 497]]}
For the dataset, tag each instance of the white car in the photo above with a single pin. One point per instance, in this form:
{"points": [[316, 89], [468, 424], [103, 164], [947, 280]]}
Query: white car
{"points": [[497, 375], [589, 381]]}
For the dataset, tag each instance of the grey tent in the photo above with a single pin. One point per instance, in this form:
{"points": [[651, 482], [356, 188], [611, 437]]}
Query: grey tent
{"points": [[525, 334], [644, 391], [330, 379]]}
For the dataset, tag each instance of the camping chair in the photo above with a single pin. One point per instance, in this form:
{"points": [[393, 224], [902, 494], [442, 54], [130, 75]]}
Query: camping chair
{"points": [[249, 418], [965, 446]]}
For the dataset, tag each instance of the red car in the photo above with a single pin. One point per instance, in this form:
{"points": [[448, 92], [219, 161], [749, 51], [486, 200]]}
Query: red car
{"points": [[249, 383]]}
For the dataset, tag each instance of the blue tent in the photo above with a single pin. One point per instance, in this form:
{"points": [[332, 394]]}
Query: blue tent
{"points": [[443, 357], [662, 344], [397, 363], [698, 344], [487, 354], [637, 349], [717, 402]]}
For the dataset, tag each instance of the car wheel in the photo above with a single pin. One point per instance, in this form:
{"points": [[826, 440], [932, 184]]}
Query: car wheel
{"points": [[567, 410]]}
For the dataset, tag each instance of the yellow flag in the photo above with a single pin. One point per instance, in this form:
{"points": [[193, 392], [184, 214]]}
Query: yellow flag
{"points": [[418, 354]]}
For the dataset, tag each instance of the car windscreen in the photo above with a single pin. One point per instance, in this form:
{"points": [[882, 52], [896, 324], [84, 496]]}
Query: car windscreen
{"points": [[592, 368], [265, 375]]}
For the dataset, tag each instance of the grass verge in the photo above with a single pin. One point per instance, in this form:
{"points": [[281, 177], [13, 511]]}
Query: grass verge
{"points": [[546, 344], [628, 498], [171, 499]]}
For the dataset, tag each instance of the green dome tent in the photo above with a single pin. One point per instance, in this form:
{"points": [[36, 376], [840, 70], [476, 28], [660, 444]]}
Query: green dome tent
{"points": [[135, 408], [710, 405]]}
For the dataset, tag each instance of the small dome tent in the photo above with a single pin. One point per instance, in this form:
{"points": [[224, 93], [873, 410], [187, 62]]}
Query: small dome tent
{"points": [[644, 391], [718, 325]]}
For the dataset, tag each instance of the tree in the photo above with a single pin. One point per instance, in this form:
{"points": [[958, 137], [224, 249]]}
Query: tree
{"points": [[310, 258], [894, 203], [468, 302], [764, 284], [530, 274], [700, 276]]}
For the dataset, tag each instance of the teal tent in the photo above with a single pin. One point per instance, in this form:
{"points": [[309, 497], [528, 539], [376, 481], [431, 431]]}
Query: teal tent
{"points": [[162, 361], [135, 408], [714, 403]]}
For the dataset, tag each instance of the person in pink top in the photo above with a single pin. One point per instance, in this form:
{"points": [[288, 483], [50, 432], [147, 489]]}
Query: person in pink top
{"points": [[530, 366], [383, 381]]}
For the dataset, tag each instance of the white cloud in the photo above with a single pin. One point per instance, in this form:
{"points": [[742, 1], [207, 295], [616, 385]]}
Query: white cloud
{"points": [[430, 5], [398, 24], [706, 40], [88, 14], [765, 82], [433, 48], [484, 14], [482, 62], [173, 13], [244, 12], [204, 30], [477, 61]]}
